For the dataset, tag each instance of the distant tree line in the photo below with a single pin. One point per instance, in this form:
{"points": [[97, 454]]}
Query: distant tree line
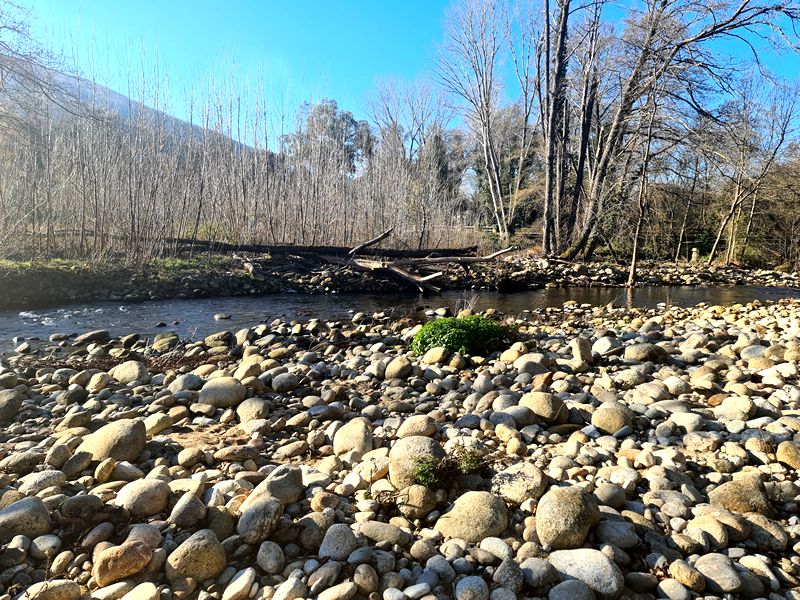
{"points": [[542, 123]]}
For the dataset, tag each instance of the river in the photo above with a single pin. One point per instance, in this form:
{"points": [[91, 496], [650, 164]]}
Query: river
{"points": [[194, 318]]}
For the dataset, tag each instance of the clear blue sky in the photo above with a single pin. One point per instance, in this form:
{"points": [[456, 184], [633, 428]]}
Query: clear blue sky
{"points": [[300, 49], [303, 49]]}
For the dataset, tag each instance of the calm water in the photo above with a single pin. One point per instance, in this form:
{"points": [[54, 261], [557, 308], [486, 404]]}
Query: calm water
{"points": [[195, 318]]}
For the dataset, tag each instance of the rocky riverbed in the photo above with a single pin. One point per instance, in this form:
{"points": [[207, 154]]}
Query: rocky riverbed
{"points": [[608, 453], [56, 284]]}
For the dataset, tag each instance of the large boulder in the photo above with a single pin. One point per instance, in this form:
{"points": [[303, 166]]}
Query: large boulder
{"points": [[130, 371], [121, 440], [564, 517], [593, 568], [355, 435], [28, 517], [222, 392], [474, 516], [10, 403], [742, 495], [200, 557], [405, 456]]}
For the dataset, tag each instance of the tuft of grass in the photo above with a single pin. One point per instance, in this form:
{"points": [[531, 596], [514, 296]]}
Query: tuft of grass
{"points": [[474, 335], [435, 473]]}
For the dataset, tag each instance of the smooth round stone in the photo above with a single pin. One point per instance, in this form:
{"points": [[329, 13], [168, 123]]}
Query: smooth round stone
{"points": [[45, 546], [472, 588]]}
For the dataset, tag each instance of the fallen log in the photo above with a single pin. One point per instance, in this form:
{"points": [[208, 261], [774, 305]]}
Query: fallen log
{"points": [[371, 242], [459, 260]]}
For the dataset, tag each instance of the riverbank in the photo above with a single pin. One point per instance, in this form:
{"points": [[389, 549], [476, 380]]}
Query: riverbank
{"points": [[25, 286], [606, 453]]}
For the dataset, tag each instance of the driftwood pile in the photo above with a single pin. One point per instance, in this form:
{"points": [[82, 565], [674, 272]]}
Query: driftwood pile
{"points": [[394, 264], [396, 268]]}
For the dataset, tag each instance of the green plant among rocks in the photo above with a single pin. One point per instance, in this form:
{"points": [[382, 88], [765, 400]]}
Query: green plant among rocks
{"points": [[476, 335], [439, 473]]}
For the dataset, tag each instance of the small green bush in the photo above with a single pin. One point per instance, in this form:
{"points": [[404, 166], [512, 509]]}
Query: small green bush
{"points": [[435, 473], [469, 335]]}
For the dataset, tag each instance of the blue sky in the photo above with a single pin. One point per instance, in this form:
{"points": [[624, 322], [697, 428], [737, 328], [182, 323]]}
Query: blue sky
{"points": [[299, 49], [302, 49]]}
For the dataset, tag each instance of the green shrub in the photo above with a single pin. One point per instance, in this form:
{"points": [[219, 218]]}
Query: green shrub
{"points": [[469, 335], [434, 473]]}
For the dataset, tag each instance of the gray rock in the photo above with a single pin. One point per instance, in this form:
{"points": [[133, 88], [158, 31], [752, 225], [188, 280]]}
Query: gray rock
{"points": [[270, 558], [28, 517], [259, 518], [10, 403], [121, 440], [222, 392], [200, 557], [592, 567], [472, 588], [474, 516], [519, 482], [405, 455], [145, 497], [721, 576], [284, 382], [564, 517], [338, 543], [572, 589]]}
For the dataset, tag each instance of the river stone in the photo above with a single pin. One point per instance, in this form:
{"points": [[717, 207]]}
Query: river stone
{"points": [[252, 409], [222, 392], [28, 517], [338, 543], [188, 511], [284, 382], [239, 586], [355, 435], [200, 557], [144, 497], [53, 589], [610, 417], [187, 381], [416, 501], [766, 532], [417, 425], [260, 514], [398, 368], [474, 516], [592, 567], [10, 403], [788, 453], [742, 495], [384, 532], [519, 482], [564, 517], [33, 483], [121, 440], [284, 483], [546, 407], [270, 558], [405, 454], [646, 353], [472, 588], [571, 589], [721, 576], [120, 562], [130, 371], [436, 355]]}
